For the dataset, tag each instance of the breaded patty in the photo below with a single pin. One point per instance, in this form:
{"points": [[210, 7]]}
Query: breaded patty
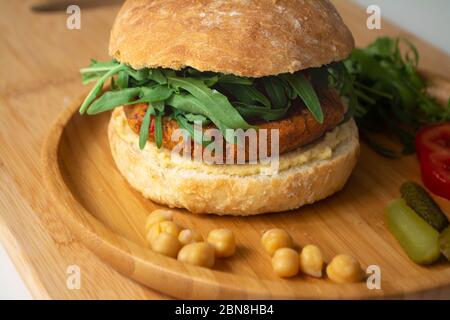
{"points": [[296, 130]]}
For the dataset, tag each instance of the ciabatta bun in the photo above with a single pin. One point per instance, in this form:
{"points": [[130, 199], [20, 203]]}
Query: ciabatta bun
{"points": [[200, 190], [251, 38]]}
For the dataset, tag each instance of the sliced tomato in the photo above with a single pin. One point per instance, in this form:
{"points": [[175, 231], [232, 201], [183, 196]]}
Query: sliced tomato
{"points": [[433, 149], [436, 173], [433, 138]]}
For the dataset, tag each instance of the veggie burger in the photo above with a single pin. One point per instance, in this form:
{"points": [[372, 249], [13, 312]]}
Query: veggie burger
{"points": [[194, 65]]}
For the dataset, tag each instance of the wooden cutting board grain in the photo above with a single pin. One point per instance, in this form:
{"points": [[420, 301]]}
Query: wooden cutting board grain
{"points": [[40, 59]]}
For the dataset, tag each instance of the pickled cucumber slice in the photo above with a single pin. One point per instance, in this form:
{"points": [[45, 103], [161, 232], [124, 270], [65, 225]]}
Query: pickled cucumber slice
{"points": [[444, 243], [423, 204], [419, 240]]}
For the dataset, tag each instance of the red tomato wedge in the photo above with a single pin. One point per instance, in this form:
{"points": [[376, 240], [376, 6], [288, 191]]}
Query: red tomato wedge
{"points": [[433, 138], [433, 150]]}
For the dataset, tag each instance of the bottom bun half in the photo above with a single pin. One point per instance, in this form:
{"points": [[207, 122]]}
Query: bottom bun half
{"points": [[305, 175]]}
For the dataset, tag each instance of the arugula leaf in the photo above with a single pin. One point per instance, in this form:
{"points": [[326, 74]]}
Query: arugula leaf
{"points": [[90, 77], [155, 111], [157, 75], [252, 111], [246, 94], [198, 137], [153, 94], [158, 130], [145, 127], [303, 88], [122, 79], [96, 69], [386, 93], [138, 75], [276, 91], [211, 103], [211, 81], [189, 104], [197, 118], [159, 106], [98, 87], [232, 79], [112, 99]]}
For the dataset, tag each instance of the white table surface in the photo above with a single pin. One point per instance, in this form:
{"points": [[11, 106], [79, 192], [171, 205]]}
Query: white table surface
{"points": [[428, 19], [11, 285]]}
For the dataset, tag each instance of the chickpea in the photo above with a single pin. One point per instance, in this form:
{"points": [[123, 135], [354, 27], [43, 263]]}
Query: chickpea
{"points": [[158, 216], [311, 261], [223, 242], [285, 262], [187, 236], [274, 239], [162, 227], [344, 268], [166, 244], [198, 254]]}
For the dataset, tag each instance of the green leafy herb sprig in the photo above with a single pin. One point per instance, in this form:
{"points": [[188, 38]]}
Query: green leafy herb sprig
{"points": [[387, 95], [189, 95]]}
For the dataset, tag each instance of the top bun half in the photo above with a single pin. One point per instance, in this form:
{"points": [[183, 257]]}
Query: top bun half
{"points": [[252, 38]]}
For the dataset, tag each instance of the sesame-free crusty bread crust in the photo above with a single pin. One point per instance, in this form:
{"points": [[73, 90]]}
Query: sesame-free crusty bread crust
{"points": [[251, 38], [227, 194]]}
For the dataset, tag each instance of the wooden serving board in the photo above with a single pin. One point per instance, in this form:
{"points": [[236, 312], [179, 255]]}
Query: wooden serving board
{"points": [[101, 209], [92, 206]]}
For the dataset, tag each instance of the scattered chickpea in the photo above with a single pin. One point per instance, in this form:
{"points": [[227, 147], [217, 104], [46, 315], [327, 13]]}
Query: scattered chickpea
{"points": [[274, 239], [285, 262], [344, 268], [158, 216], [198, 254], [188, 236], [163, 227], [223, 242], [311, 261], [166, 244]]}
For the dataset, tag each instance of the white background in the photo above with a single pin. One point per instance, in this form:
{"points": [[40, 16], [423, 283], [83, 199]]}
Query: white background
{"points": [[428, 19]]}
